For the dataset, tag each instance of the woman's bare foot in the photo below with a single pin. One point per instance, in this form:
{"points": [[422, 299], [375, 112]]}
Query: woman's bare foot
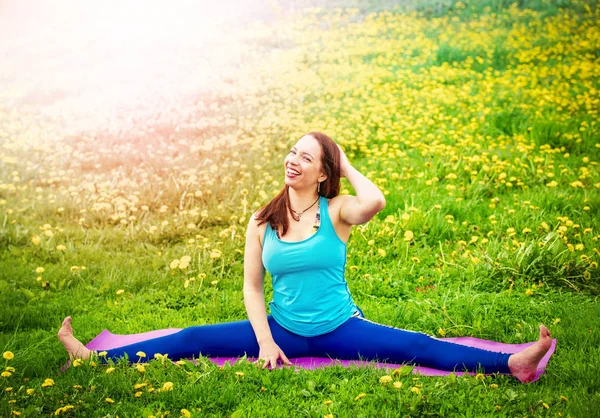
{"points": [[73, 346], [523, 365]]}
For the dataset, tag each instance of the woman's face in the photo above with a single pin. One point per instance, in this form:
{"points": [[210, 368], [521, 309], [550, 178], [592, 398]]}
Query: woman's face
{"points": [[303, 164]]}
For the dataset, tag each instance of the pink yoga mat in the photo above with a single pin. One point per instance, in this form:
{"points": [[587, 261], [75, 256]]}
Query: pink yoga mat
{"points": [[106, 340]]}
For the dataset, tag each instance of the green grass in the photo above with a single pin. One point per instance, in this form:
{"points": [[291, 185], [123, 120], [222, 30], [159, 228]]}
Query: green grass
{"points": [[491, 163]]}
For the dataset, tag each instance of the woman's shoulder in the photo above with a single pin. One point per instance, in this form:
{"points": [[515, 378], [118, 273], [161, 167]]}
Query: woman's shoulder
{"points": [[342, 228], [256, 230]]}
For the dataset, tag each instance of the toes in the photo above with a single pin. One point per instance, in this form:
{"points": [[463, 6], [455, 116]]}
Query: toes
{"points": [[544, 331]]}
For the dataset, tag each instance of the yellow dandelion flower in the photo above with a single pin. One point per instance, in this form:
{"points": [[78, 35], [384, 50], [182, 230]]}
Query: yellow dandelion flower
{"points": [[120, 291], [15, 412], [30, 391], [102, 353], [140, 385], [441, 332], [35, 240], [109, 400], [397, 385], [60, 247], [360, 396], [138, 394], [63, 409], [384, 380], [415, 389], [77, 362], [110, 370], [328, 402], [381, 252], [8, 355], [328, 416], [6, 374], [167, 386], [494, 386], [408, 236], [40, 270], [47, 383], [140, 354], [239, 374], [174, 264], [184, 262], [402, 371], [140, 368], [214, 254], [480, 377], [185, 413], [529, 292]]}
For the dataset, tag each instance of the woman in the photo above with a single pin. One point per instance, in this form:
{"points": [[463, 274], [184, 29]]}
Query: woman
{"points": [[300, 237]]}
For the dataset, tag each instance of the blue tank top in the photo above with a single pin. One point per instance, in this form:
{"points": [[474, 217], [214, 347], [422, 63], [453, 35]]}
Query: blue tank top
{"points": [[310, 294]]}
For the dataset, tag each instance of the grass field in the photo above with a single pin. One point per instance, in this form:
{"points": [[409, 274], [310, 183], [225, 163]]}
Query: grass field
{"points": [[478, 120]]}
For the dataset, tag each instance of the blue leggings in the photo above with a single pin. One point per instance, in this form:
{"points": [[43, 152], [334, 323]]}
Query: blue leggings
{"points": [[357, 338]]}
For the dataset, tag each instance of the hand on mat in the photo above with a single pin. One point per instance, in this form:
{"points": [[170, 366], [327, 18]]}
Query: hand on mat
{"points": [[270, 353], [344, 163]]}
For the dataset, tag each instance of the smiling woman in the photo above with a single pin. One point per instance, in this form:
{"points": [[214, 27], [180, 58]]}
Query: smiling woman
{"points": [[312, 312]]}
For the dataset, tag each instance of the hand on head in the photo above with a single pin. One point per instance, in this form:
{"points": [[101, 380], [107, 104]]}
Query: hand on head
{"points": [[344, 163]]}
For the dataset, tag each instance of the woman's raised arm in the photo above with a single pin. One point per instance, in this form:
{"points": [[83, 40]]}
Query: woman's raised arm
{"points": [[369, 200]]}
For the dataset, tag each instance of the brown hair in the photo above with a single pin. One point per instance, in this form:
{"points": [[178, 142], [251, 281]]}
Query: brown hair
{"points": [[275, 212]]}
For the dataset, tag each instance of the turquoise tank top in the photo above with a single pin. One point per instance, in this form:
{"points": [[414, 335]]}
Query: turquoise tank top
{"points": [[310, 294]]}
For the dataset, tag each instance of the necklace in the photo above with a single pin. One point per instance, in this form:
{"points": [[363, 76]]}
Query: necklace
{"points": [[299, 214]]}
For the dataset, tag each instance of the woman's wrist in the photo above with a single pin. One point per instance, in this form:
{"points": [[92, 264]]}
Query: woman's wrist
{"points": [[267, 339], [346, 171]]}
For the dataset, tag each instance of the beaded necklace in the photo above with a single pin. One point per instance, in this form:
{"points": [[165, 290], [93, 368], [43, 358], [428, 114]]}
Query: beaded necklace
{"points": [[315, 226]]}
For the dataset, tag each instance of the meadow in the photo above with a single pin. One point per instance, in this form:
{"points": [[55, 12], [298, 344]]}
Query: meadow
{"points": [[478, 120]]}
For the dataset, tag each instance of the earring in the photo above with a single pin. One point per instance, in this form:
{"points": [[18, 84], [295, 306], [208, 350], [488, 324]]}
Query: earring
{"points": [[318, 187]]}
